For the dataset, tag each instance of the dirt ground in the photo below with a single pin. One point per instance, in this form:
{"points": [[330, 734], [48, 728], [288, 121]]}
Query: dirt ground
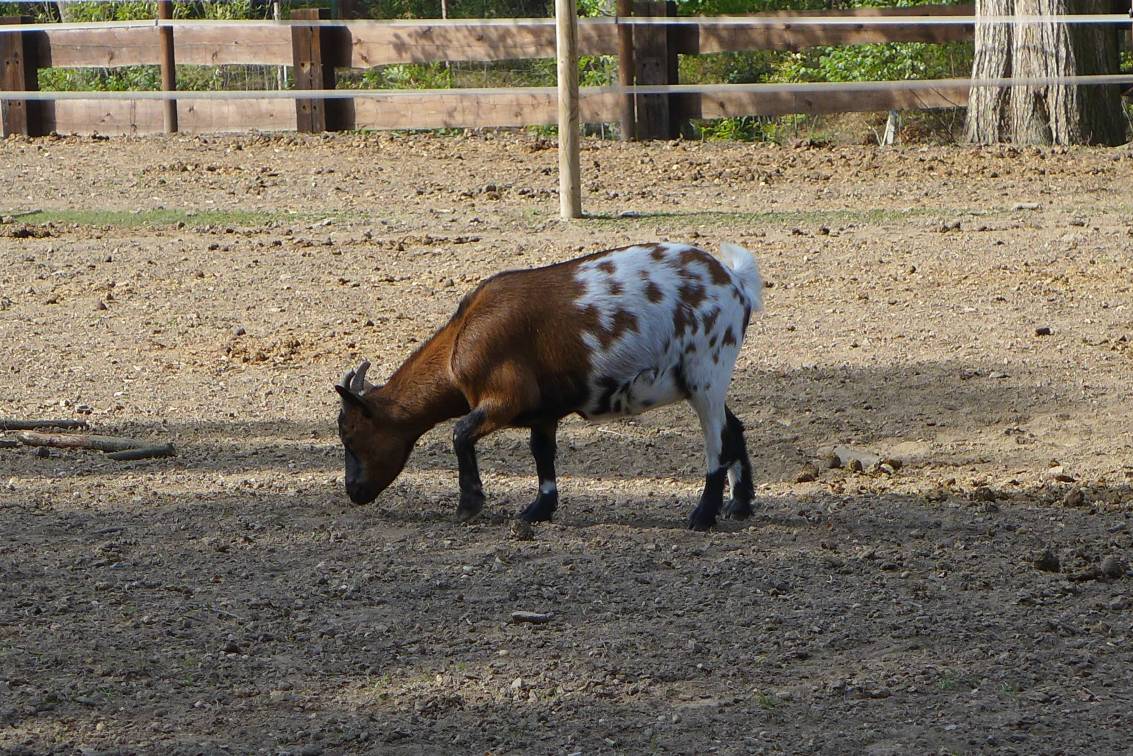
{"points": [[965, 312]]}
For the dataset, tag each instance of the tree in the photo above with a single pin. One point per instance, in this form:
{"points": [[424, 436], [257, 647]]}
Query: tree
{"points": [[1044, 113]]}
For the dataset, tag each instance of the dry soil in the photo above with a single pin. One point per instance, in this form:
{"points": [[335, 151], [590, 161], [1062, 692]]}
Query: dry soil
{"points": [[963, 312]]}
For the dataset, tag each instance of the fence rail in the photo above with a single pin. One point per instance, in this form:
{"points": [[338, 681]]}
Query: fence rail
{"points": [[361, 44], [317, 47]]}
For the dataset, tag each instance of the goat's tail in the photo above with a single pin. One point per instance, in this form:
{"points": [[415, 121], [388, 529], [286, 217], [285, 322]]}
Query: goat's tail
{"points": [[743, 265]]}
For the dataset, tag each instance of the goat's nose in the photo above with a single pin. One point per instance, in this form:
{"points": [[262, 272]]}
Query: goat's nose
{"points": [[360, 493]]}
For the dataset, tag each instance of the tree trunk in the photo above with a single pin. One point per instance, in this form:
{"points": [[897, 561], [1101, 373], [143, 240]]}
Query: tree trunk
{"points": [[986, 123], [1046, 113]]}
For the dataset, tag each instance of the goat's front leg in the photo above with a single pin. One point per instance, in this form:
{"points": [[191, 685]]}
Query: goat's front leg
{"points": [[464, 437], [468, 430], [543, 449]]}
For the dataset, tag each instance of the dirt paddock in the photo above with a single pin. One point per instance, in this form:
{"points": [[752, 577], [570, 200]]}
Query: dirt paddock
{"points": [[964, 312]]}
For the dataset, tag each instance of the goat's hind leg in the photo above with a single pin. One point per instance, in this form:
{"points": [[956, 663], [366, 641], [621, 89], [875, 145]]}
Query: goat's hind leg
{"points": [[710, 409], [543, 449], [734, 453]]}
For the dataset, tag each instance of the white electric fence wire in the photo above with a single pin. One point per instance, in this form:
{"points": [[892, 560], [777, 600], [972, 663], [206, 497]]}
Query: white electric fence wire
{"points": [[785, 22], [738, 21], [807, 88]]}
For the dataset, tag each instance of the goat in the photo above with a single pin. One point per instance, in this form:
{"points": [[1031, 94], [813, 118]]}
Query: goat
{"points": [[610, 334]]}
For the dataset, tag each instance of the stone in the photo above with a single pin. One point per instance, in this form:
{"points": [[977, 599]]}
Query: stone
{"points": [[1113, 567], [807, 473], [1047, 561]]}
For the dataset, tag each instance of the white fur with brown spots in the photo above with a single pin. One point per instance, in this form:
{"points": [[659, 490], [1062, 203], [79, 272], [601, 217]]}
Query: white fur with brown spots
{"points": [[613, 333]]}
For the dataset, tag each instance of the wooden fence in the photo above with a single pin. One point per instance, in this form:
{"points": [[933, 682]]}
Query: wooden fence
{"points": [[316, 50]]}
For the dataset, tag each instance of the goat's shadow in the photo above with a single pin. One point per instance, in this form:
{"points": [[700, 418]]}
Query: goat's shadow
{"points": [[786, 412]]}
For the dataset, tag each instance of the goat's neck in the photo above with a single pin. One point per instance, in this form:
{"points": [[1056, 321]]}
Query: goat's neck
{"points": [[421, 392]]}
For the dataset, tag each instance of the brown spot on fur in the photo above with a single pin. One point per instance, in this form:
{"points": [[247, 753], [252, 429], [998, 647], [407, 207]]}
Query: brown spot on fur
{"points": [[652, 291], [690, 256], [591, 321], [607, 267], [716, 358], [720, 276], [615, 287], [623, 321], [692, 294], [657, 254], [712, 342], [690, 348], [709, 318], [683, 319], [729, 337]]}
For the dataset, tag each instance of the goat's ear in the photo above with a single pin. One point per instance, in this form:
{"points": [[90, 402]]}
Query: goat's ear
{"points": [[350, 399]]}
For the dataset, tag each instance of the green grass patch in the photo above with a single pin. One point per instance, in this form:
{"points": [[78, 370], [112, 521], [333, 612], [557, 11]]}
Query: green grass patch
{"points": [[167, 217], [772, 217]]}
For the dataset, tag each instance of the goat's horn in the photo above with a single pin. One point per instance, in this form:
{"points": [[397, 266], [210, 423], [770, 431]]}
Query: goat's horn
{"points": [[358, 383], [346, 378]]}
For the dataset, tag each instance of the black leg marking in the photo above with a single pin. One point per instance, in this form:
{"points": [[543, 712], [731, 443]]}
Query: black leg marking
{"points": [[464, 437], [704, 516], [543, 449], [680, 380], [608, 386], [733, 450]]}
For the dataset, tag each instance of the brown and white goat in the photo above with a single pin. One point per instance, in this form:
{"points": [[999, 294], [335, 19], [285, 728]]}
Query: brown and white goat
{"points": [[610, 334]]}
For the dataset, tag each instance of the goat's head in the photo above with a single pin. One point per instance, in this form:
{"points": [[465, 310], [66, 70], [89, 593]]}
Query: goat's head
{"points": [[375, 449]]}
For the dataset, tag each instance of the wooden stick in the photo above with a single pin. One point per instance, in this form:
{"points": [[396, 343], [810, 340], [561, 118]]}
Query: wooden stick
{"points": [[566, 38], [81, 441], [9, 423], [8, 443], [626, 68], [145, 452], [535, 618], [168, 65]]}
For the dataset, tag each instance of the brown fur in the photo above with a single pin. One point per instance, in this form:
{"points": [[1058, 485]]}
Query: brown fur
{"points": [[528, 315], [710, 319], [692, 294]]}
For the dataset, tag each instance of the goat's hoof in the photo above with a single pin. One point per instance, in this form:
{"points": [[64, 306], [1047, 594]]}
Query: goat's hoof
{"points": [[738, 510], [468, 508], [700, 522], [540, 510]]}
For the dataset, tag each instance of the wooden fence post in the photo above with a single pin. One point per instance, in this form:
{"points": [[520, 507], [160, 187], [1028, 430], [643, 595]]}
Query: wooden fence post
{"points": [[314, 54], [655, 62], [626, 68], [19, 72], [168, 64], [566, 50]]}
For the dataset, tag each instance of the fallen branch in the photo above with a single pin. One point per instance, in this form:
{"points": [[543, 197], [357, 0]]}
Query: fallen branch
{"points": [[8, 443], [22, 214], [9, 423], [144, 452], [81, 441]]}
